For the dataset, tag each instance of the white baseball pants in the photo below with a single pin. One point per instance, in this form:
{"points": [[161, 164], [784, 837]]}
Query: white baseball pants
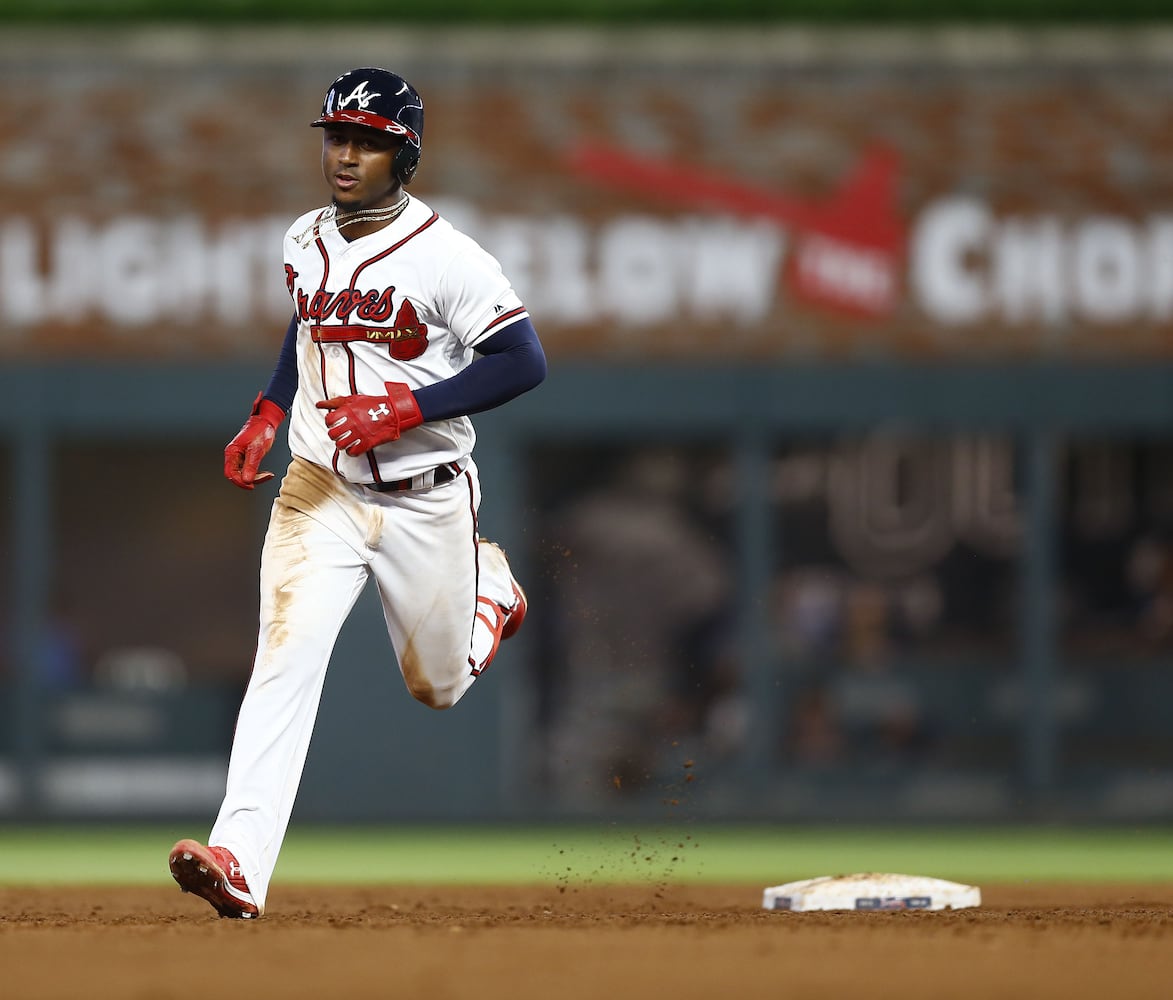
{"points": [[325, 539]]}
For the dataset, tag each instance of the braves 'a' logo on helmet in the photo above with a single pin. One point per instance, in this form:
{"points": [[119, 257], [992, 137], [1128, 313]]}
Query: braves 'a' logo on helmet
{"points": [[359, 95]]}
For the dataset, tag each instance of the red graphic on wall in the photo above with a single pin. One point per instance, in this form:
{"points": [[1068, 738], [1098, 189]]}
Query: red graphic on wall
{"points": [[848, 250]]}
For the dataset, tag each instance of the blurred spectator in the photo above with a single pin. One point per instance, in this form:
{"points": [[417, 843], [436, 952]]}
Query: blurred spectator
{"points": [[815, 736], [62, 662], [644, 595], [1149, 571]]}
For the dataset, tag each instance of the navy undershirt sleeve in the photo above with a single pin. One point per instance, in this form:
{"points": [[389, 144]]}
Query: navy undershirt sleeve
{"points": [[283, 382], [511, 362]]}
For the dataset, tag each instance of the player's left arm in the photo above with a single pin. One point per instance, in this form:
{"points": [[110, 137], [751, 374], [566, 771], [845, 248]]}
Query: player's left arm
{"points": [[511, 362]]}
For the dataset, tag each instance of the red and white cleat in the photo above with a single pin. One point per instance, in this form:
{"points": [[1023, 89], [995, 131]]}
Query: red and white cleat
{"points": [[213, 874], [515, 615]]}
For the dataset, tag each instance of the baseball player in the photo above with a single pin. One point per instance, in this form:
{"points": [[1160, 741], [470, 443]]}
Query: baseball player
{"points": [[402, 327]]}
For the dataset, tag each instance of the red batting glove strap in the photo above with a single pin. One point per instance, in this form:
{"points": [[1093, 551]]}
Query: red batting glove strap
{"points": [[403, 403], [267, 410]]}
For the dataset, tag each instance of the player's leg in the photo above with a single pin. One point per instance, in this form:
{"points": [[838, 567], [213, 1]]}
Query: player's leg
{"points": [[313, 568], [448, 596], [501, 602]]}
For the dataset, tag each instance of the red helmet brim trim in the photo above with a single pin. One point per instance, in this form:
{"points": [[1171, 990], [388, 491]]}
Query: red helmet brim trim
{"points": [[377, 122]]}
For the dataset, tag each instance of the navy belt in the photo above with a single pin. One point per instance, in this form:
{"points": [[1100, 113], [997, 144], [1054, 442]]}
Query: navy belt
{"points": [[441, 474]]}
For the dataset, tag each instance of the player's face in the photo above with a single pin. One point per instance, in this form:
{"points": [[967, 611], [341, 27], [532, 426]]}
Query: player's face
{"points": [[357, 163]]}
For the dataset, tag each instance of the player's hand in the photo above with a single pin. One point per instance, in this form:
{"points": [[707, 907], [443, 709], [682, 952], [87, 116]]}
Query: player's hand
{"points": [[356, 424], [243, 455]]}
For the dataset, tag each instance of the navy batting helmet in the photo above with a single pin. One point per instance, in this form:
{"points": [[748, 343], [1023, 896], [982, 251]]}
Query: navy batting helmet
{"points": [[379, 99]]}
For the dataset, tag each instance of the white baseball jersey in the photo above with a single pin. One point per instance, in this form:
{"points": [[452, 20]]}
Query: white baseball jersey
{"points": [[409, 304]]}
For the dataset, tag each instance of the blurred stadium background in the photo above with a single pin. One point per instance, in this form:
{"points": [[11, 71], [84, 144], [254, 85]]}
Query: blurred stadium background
{"points": [[849, 497]]}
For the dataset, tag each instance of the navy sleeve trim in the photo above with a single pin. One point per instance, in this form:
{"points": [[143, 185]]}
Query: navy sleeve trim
{"points": [[511, 362], [283, 382]]}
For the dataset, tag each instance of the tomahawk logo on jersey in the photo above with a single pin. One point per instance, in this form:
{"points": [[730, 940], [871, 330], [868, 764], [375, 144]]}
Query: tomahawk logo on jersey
{"points": [[405, 341]]}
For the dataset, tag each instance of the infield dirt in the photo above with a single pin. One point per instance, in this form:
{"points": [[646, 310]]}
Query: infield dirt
{"points": [[568, 942]]}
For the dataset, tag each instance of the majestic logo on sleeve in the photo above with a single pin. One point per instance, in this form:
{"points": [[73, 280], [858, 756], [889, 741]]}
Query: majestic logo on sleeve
{"points": [[406, 338]]}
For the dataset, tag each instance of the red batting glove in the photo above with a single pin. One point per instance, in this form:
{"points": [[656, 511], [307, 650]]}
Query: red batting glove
{"points": [[252, 443], [356, 424]]}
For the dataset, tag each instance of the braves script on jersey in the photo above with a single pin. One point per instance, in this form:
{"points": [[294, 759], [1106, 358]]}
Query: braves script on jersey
{"points": [[408, 303]]}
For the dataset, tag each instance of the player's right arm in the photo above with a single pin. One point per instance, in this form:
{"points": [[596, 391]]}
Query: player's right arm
{"points": [[242, 456]]}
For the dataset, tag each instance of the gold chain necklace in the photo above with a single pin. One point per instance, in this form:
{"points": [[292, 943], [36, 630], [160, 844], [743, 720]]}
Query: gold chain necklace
{"points": [[388, 214]]}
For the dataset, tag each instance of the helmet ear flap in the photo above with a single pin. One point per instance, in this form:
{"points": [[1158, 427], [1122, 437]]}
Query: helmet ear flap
{"points": [[405, 163]]}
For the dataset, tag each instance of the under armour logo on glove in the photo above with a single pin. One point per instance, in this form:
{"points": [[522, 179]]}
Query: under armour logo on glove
{"points": [[356, 424]]}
